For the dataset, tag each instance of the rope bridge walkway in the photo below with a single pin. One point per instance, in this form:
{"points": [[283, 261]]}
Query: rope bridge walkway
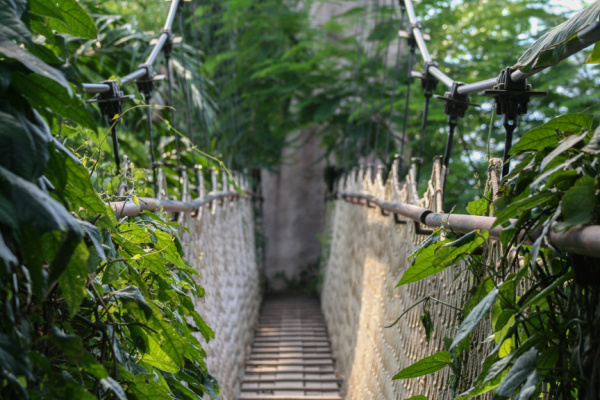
{"points": [[291, 355]]}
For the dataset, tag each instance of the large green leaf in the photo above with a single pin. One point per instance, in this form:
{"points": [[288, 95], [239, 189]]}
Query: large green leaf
{"points": [[578, 203], [450, 253], [423, 266], [74, 278], [13, 50], [46, 8], [71, 345], [563, 146], [77, 22], [158, 358], [133, 298], [11, 26], [114, 386], [515, 209], [426, 366], [522, 368], [23, 146], [545, 136], [474, 317], [548, 49], [44, 92]]}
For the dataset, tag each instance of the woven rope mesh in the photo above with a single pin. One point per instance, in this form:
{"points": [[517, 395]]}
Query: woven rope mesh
{"points": [[220, 246], [368, 256]]}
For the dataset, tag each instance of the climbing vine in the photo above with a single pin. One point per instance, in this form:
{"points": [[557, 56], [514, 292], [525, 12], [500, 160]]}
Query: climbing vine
{"points": [[541, 302], [91, 306]]}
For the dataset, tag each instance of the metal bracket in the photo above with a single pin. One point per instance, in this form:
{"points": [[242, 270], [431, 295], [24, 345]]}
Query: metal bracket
{"points": [[428, 81], [398, 220], [111, 105], [168, 46], [146, 83], [511, 100]]}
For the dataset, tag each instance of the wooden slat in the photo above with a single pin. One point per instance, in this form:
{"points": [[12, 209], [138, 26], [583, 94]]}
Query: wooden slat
{"points": [[291, 354]]}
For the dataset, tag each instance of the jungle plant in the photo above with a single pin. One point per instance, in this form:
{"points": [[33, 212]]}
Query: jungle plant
{"points": [[542, 302], [91, 306]]}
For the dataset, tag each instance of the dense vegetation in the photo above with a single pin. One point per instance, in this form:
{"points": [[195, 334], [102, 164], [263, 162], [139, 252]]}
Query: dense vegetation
{"points": [[91, 306]]}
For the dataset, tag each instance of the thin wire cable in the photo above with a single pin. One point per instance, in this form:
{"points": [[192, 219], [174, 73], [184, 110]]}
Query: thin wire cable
{"points": [[352, 127], [411, 61], [171, 104], [396, 70], [371, 96], [186, 86], [383, 74]]}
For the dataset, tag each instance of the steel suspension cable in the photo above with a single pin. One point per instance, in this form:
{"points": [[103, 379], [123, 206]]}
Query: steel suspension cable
{"points": [[411, 61]]}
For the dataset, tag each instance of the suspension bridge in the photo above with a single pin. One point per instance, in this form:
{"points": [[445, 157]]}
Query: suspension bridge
{"points": [[277, 346]]}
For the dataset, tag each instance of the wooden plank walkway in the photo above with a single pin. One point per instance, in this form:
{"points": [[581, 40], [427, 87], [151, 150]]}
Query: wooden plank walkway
{"points": [[291, 358]]}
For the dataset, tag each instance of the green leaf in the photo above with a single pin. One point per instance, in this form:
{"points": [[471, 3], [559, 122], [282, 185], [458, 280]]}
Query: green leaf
{"points": [[114, 386], [563, 146], [89, 364], [13, 358], [427, 323], [554, 41], [426, 366], [93, 233], [71, 345], [521, 370], [556, 179], [423, 267], [46, 8], [77, 22], [13, 50], [46, 93], [418, 397], [132, 298], [11, 26], [159, 358], [474, 317], [528, 203], [579, 203], [478, 207], [593, 146], [451, 253], [595, 56], [545, 135], [529, 386], [145, 387], [73, 279]]}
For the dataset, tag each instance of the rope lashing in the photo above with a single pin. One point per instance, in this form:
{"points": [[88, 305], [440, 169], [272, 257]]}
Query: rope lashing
{"points": [[111, 106], [511, 100], [428, 83], [167, 50], [146, 87]]}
